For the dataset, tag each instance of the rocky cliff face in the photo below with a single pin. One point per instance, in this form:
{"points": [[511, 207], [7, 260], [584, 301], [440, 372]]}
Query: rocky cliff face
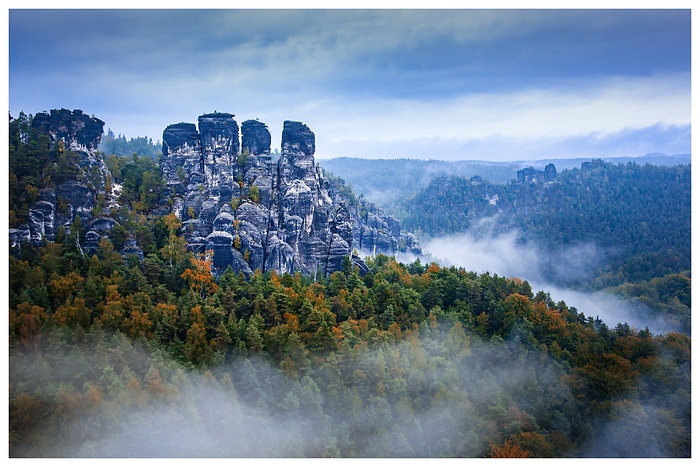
{"points": [[232, 198], [77, 132], [254, 213], [531, 175]]}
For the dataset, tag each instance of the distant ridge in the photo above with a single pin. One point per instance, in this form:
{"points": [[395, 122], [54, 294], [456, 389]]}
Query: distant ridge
{"points": [[385, 181], [651, 158]]}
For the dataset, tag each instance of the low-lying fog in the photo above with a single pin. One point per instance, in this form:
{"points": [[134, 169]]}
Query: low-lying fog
{"points": [[506, 255]]}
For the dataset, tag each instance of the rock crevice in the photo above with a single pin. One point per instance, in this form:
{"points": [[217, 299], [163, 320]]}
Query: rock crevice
{"points": [[254, 213]]}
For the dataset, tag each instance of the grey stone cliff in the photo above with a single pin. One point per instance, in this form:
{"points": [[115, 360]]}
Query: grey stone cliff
{"points": [[77, 132], [232, 198], [254, 213], [531, 175]]}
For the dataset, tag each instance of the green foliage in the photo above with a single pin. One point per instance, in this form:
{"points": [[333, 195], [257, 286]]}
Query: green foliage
{"points": [[35, 164], [120, 146], [639, 215], [142, 185], [668, 297], [405, 361], [242, 158], [345, 190], [254, 193]]}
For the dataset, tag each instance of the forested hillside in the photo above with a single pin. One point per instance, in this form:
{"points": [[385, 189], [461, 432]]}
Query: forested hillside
{"points": [[118, 355], [623, 228], [156, 358], [387, 182], [639, 215]]}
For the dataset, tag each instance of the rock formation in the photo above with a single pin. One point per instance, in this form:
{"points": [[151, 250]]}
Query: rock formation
{"points": [[79, 133], [254, 213], [531, 175], [593, 164]]}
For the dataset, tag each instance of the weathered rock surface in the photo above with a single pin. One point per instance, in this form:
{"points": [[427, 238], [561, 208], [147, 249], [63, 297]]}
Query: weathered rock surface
{"points": [[81, 134], [252, 212], [255, 138], [532, 175], [181, 150], [257, 214], [77, 130]]}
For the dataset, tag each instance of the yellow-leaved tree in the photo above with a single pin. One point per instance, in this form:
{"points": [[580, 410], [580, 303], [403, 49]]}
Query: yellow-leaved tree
{"points": [[199, 276]]}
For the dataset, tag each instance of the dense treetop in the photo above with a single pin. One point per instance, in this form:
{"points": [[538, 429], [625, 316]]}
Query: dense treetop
{"points": [[406, 360], [638, 215], [120, 146]]}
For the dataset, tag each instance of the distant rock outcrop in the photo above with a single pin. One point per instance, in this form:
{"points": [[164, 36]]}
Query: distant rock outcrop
{"points": [[531, 175], [594, 163], [254, 213], [77, 130]]}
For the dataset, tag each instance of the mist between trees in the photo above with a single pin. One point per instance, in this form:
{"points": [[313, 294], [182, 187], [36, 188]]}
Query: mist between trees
{"points": [[408, 361], [433, 394], [507, 254]]}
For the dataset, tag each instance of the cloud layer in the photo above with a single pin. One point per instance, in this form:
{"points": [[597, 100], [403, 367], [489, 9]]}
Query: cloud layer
{"points": [[366, 79]]}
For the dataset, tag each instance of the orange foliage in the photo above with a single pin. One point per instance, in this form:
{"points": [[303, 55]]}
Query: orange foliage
{"points": [[292, 321], [317, 300], [172, 222], [535, 444], [66, 401], [337, 334], [274, 279], [93, 396], [679, 345], [154, 383], [507, 450], [26, 322], [196, 345], [199, 275], [395, 330], [64, 286], [73, 313], [112, 315], [25, 412], [166, 313], [138, 325], [196, 316], [289, 367], [363, 325], [112, 293]]}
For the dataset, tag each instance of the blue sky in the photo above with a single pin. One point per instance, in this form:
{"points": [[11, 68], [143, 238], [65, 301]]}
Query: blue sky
{"points": [[442, 84]]}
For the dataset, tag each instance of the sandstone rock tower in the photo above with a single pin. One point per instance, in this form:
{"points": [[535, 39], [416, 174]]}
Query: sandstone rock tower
{"points": [[255, 213]]}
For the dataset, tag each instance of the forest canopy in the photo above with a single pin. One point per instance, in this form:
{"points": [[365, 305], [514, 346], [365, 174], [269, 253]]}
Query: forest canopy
{"points": [[115, 355]]}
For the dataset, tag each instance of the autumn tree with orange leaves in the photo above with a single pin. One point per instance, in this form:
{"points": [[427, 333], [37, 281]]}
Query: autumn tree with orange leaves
{"points": [[199, 276]]}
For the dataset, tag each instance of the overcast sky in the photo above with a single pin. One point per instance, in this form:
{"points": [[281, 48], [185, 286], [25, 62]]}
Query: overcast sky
{"points": [[442, 84]]}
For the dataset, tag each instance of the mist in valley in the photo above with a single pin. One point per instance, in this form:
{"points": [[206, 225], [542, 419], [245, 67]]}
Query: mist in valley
{"points": [[440, 393], [509, 255], [249, 407], [433, 393]]}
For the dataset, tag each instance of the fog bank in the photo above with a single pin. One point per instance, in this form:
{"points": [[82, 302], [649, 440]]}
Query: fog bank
{"points": [[509, 255]]}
